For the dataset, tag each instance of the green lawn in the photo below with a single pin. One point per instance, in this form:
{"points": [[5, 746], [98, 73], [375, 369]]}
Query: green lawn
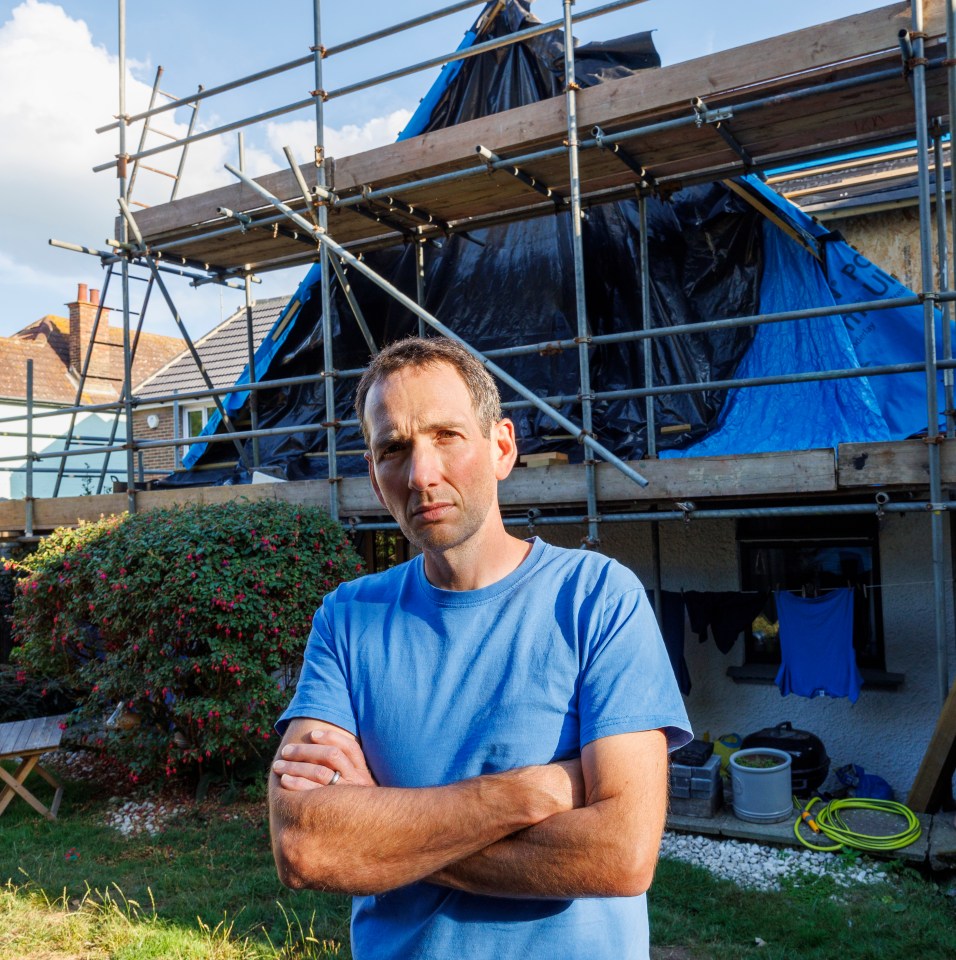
{"points": [[210, 869], [205, 889]]}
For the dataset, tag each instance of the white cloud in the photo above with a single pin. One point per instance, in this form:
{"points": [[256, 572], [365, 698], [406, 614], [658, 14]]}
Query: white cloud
{"points": [[352, 138], [59, 85]]}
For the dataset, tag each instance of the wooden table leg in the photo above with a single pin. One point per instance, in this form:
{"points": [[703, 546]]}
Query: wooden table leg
{"points": [[14, 786]]}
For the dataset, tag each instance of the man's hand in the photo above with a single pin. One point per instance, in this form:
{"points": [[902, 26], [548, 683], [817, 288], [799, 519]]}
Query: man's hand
{"points": [[312, 765], [605, 847]]}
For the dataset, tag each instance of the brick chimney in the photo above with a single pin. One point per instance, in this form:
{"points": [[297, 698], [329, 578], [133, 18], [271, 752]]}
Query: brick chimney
{"points": [[82, 317]]}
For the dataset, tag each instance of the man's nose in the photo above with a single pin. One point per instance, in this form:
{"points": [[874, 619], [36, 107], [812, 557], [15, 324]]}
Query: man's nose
{"points": [[423, 467]]}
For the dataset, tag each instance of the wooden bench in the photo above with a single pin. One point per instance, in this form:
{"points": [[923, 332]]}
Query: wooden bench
{"points": [[25, 741]]}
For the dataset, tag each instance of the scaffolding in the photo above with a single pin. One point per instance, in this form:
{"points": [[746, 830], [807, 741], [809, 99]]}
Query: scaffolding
{"points": [[590, 147]]}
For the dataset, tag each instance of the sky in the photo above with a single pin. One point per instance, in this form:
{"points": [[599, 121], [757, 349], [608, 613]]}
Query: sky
{"points": [[59, 82]]}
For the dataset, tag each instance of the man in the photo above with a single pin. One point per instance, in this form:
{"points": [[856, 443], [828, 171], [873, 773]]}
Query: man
{"points": [[476, 749]]}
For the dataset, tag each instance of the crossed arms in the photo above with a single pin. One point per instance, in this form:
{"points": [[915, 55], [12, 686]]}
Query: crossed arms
{"points": [[577, 828]]}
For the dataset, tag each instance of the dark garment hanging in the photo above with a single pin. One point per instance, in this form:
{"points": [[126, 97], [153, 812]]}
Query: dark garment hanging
{"points": [[672, 630], [816, 645], [726, 613]]}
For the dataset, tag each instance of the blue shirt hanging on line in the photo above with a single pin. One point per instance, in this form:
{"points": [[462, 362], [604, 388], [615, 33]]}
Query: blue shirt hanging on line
{"points": [[816, 645]]}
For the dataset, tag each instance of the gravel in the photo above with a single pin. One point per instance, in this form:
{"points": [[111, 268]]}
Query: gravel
{"points": [[758, 867], [133, 817]]}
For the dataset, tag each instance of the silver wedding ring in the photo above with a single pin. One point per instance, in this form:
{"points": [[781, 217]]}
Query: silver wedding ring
{"points": [[336, 776]]}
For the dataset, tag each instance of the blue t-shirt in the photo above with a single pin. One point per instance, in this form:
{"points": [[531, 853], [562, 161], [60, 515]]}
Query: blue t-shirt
{"points": [[816, 645], [443, 685]]}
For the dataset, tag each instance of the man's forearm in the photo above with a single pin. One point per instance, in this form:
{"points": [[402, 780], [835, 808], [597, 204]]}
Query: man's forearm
{"points": [[360, 840], [572, 854]]}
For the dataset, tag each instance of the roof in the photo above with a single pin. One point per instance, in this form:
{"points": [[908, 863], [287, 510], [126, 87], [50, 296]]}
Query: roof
{"points": [[224, 352], [47, 343], [852, 186]]}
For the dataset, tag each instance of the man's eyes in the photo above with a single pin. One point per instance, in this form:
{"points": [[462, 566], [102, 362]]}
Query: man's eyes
{"points": [[394, 449]]}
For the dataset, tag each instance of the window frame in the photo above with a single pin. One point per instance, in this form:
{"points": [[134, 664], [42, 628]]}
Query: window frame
{"points": [[823, 533]]}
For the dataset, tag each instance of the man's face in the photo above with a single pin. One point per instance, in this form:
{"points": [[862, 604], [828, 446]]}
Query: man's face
{"points": [[429, 463]]}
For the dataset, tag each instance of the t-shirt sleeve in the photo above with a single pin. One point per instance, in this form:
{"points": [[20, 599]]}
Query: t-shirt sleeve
{"points": [[322, 692], [628, 683]]}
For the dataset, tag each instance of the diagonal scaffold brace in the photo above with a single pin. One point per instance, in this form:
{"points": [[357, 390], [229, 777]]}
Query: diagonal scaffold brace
{"points": [[323, 238]]}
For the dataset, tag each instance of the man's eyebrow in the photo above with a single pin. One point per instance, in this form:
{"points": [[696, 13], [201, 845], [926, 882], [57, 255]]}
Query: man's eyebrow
{"points": [[393, 435], [446, 425]]}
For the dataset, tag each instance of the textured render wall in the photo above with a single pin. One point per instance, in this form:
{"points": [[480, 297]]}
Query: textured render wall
{"points": [[48, 435], [885, 731]]}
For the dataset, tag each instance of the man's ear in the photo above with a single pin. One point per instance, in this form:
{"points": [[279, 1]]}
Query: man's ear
{"points": [[504, 448], [374, 482]]}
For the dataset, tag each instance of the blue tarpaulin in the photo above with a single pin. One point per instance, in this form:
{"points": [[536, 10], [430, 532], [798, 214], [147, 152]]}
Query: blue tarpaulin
{"points": [[805, 416]]}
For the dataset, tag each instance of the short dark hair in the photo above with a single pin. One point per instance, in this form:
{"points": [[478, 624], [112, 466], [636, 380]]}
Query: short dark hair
{"points": [[428, 352]]}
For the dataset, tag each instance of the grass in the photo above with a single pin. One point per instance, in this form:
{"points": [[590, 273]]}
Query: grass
{"points": [[905, 918], [205, 889]]}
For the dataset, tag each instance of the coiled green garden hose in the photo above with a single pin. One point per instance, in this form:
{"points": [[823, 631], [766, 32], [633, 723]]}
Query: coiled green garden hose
{"points": [[831, 824]]}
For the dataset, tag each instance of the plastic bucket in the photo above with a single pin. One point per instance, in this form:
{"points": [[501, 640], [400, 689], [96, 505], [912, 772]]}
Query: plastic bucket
{"points": [[762, 794]]}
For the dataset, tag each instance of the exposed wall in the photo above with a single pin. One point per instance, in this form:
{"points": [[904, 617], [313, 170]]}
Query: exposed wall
{"points": [[158, 458], [890, 240], [886, 732]]}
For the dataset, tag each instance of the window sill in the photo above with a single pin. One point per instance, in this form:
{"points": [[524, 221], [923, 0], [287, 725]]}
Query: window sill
{"points": [[764, 673]]}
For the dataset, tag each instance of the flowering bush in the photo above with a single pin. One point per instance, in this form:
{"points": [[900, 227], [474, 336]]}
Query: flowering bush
{"points": [[185, 624]]}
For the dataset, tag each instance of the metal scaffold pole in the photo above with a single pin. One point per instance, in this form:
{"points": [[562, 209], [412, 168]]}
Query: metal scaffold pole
{"points": [[28, 517], [577, 244], [420, 278], [124, 269], [250, 336], [942, 259], [933, 438], [325, 265], [251, 352], [647, 345], [951, 228]]}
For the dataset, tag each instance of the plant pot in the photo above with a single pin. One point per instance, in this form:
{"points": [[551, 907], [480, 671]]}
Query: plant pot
{"points": [[761, 784]]}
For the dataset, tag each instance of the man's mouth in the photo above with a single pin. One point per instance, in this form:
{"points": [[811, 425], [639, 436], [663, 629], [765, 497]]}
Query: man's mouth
{"points": [[429, 512]]}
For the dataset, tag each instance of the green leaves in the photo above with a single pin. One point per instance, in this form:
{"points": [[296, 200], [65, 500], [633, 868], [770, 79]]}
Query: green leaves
{"points": [[195, 619]]}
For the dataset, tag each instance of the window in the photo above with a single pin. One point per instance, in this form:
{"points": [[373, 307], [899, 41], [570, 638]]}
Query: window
{"points": [[195, 418], [811, 555]]}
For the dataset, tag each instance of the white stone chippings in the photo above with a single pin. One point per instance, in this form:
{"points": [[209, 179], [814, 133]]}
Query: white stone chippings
{"points": [[759, 867], [147, 816]]}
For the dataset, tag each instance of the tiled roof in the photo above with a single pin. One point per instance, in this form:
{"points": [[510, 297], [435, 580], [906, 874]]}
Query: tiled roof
{"points": [[47, 343], [224, 352]]}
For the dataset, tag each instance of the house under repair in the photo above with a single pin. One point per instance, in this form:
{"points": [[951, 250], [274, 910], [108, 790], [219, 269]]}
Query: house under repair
{"points": [[804, 446]]}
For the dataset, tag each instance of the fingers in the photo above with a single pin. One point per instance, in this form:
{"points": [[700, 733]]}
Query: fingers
{"points": [[318, 774], [290, 782], [344, 742], [317, 762]]}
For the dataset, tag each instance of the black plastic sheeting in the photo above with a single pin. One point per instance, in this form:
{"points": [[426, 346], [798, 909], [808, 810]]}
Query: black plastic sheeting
{"points": [[513, 284]]}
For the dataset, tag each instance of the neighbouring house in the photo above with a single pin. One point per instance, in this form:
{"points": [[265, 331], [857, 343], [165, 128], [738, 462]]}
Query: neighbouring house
{"points": [[224, 353], [58, 347]]}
